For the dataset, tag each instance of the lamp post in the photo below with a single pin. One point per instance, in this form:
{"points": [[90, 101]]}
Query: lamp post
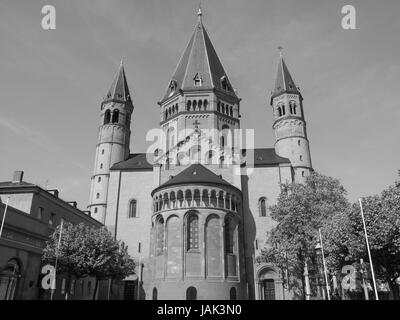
{"points": [[318, 252]]}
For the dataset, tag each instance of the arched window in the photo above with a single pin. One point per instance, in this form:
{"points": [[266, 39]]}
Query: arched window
{"points": [[223, 108], [229, 234], [132, 209], [279, 112], [194, 105], [155, 293], [205, 104], [200, 104], [97, 195], [219, 106], [95, 210], [231, 111], [283, 110], [262, 207], [166, 113], [9, 279], [188, 105], [107, 116], [221, 161], [210, 155], [191, 293], [115, 116], [232, 294], [99, 179], [192, 232], [160, 236]]}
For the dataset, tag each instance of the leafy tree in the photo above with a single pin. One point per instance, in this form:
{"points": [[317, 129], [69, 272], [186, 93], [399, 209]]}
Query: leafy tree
{"points": [[344, 237], [300, 211], [88, 251]]}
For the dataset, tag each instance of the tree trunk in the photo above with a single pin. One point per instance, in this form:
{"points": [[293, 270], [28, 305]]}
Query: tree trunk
{"points": [[394, 289], [95, 289]]}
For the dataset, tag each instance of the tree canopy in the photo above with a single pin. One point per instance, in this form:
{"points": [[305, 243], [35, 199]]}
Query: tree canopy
{"points": [[88, 251]]}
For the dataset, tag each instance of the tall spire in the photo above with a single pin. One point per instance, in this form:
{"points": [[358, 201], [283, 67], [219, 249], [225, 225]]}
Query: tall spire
{"points": [[119, 90], [199, 61], [284, 82]]}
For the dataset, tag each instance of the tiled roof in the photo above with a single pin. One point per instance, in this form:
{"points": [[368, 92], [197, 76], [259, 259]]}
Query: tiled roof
{"points": [[199, 58], [195, 174], [136, 161], [284, 82], [7, 184], [262, 157], [119, 90], [265, 157]]}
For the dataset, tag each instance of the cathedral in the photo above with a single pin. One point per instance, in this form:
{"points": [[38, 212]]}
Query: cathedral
{"points": [[193, 209]]}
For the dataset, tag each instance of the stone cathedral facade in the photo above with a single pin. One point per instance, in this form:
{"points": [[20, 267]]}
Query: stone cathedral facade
{"points": [[194, 210]]}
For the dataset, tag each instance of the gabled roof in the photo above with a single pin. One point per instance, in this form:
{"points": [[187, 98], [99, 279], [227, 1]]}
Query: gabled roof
{"points": [[199, 58], [135, 162], [195, 174], [262, 157], [119, 90], [266, 157], [284, 82]]}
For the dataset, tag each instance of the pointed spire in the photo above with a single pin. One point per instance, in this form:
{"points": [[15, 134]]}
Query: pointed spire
{"points": [[284, 82], [119, 90], [199, 61]]}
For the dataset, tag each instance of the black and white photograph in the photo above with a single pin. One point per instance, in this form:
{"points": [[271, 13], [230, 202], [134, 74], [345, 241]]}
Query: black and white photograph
{"points": [[216, 150]]}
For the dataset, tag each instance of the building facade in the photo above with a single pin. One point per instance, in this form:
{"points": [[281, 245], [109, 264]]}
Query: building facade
{"points": [[31, 217], [193, 209]]}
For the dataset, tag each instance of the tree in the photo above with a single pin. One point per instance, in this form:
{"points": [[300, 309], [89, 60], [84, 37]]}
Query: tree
{"points": [[88, 251], [300, 211], [345, 240]]}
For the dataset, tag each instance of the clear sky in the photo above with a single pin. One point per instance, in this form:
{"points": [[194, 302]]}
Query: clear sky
{"points": [[52, 82]]}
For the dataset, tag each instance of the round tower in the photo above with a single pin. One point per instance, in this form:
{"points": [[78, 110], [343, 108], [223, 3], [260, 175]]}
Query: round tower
{"points": [[113, 142], [289, 123]]}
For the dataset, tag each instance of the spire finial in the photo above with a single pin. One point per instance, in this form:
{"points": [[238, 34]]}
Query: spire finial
{"points": [[122, 61], [280, 48], [199, 13]]}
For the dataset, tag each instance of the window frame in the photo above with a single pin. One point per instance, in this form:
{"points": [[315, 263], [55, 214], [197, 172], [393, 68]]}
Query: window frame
{"points": [[129, 208]]}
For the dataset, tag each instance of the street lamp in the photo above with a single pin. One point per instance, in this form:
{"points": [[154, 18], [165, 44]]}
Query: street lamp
{"points": [[318, 251]]}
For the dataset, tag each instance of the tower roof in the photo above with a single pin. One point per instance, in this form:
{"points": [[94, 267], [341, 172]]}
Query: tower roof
{"points": [[119, 90], [199, 61], [195, 174], [284, 82]]}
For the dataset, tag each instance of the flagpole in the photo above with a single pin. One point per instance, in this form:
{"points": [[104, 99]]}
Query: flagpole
{"points": [[4, 217], [369, 252], [323, 261], [53, 287]]}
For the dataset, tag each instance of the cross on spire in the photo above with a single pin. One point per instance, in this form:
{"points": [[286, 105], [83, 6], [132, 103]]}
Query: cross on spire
{"points": [[280, 48]]}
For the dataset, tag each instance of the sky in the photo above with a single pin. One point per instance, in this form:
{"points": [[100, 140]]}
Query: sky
{"points": [[52, 81]]}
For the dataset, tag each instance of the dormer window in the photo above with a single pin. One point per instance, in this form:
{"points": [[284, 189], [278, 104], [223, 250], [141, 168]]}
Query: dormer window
{"points": [[172, 87], [198, 81], [224, 83]]}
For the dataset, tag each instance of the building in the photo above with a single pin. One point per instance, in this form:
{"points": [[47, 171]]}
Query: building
{"points": [[193, 209], [32, 215]]}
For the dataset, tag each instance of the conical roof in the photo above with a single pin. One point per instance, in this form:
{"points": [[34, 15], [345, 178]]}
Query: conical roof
{"points": [[195, 174], [199, 61], [119, 90], [284, 82]]}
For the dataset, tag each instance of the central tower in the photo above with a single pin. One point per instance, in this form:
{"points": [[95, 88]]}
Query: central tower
{"points": [[199, 97], [196, 246]]}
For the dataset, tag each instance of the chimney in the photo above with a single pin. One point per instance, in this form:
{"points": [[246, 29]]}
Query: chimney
{"points": [[17, 177], [72, 203]]}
